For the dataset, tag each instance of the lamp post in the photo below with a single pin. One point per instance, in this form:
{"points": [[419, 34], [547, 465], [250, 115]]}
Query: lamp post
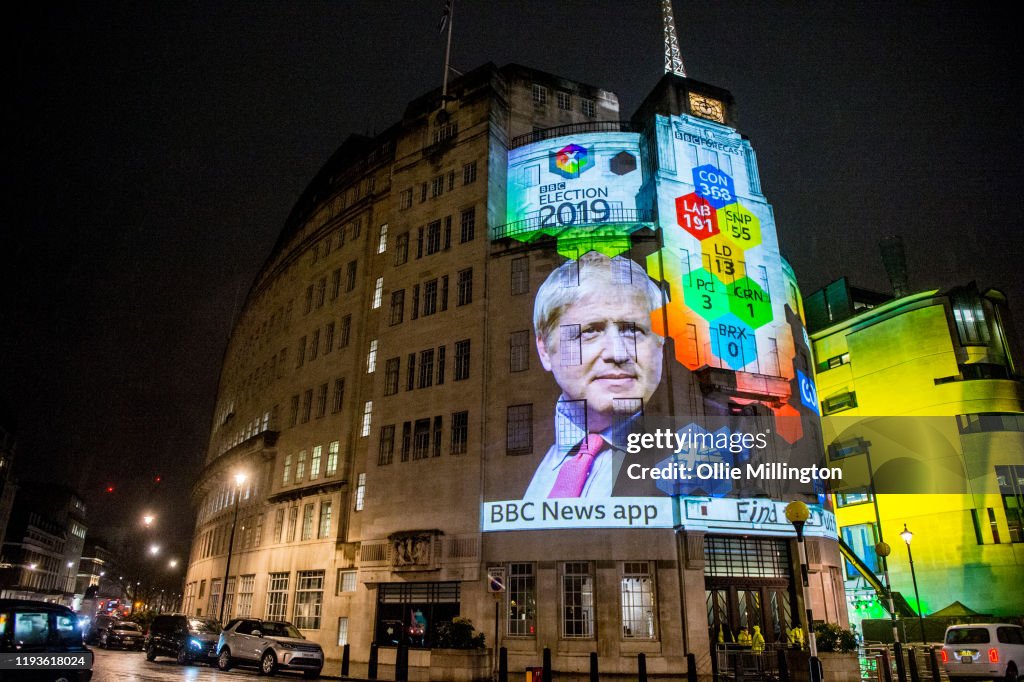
{"points": [[907, 537], [797, 513], [239, 480]]}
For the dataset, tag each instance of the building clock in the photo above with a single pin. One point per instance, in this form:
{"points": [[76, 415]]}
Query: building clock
{"points": [[707, 107]]}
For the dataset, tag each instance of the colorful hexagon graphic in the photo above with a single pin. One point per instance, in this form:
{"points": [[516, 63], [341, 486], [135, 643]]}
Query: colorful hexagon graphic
{"points": [[788, 423], [741, 226], [733, 342], [714, 185], [749, 302], [696, 215], [705, 294], [622, 163], [570, 161], [722, 257]]}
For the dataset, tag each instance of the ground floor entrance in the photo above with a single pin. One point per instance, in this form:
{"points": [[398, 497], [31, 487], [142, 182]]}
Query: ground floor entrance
{"points": [[409, 613]]}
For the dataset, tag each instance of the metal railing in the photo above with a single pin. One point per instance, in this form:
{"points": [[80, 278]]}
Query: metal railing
{"points": [[572, 129], [612, 216]]}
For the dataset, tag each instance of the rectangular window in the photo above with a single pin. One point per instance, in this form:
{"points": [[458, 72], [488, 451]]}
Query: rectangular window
{"points": [[307, 405], [521, 601], [520, 275], [577, 600], [293, 418], [397, 306], [469, 173], [382, 239], [460, 432], [467, 226], [405, 199], [321, 291], [300, 358], [406, 440], [321, 401], [342, 631], [440, 365], [346, 331], [332, 459], [423, 192], [433, 237], [360, 492], [461, 360], [637, 596], [213, 606], [391, 370], [346, 580], [421, 439], [364, 431], [861, 538], [278, 525], [286, 478], [350, 276], [329, 338], [314, 344], [564, 101], [444, 293], [300, 467], [540, 94], [587, 108], [277, 596], [519, 426], [339, 395], [415, 308], [438, 430], [378, 294], [314, 461], [229, 599], [335, 283], [325, 520], [519, 351], [293, 521], [410, 379], [838, 403], [402, 249], [309, 299], [465, 286], [309, 597], [386, 450], [307, 522], [371, 358], [437, 186], [246, 587], [447, 233], [419, 242], [426, 368], [430, 297]]}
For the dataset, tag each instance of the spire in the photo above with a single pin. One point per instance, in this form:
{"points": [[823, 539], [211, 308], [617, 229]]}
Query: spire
{"points": [[673, 60]]}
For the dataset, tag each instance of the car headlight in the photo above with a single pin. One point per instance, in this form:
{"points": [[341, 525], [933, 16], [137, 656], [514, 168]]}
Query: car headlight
{"points": [[286, 645], [195, 643]]}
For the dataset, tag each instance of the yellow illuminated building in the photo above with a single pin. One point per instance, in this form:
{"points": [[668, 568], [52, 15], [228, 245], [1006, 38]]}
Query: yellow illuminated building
{"points": [[927, 389]]}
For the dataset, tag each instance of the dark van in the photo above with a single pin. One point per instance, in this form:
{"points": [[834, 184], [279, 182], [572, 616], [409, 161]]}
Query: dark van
{"points": [[186, 638], [35, 628]]}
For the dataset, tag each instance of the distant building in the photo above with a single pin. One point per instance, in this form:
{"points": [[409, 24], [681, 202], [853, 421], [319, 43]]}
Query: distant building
{"points": [[43, 546], [928, 386]]}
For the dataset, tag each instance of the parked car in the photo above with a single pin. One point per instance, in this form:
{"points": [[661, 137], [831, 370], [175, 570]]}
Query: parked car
{"points": [[97, 625], [123, 634], [993, 651], [270, 645], [33, 627], [186, 638]]}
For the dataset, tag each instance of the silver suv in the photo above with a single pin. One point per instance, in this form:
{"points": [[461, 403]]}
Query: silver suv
{"points": [[984, 650], [271, 645]]}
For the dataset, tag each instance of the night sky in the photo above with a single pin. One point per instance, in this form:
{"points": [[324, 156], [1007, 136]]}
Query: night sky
{"points": [[157, 148]]}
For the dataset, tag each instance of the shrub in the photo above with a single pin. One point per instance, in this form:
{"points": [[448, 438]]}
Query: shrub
{"points": [[831, 637], [458, 634]]}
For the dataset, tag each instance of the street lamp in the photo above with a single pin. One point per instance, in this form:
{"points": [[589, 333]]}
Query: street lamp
{"points": [[797, 513], [173, 563], [907, 537], [239, 481], [147, 520], [154, 549]]}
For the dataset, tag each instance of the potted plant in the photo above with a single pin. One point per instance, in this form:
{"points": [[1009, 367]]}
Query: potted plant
{"points": [[460, 655]]}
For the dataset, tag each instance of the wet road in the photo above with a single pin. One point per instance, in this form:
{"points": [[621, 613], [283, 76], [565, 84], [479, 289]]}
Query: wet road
{"points": [[119, 666]]}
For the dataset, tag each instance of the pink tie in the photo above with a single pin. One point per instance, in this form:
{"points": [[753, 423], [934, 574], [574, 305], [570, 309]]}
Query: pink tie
{"points": [[574, 472]]}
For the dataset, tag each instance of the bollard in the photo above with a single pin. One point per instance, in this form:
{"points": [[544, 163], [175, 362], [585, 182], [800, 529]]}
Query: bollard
{"points": [[547, 664], [641, 668], [402, 663], [344, 660], [901, 670], [502, 664], [912, 664], [934, 659], [691, 668], [371, 666], [884, 664], [593, 667], [783, 666]]}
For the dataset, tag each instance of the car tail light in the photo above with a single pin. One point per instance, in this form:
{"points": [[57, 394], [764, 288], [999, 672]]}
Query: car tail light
{"points": [[945, 656], [993, 655]]}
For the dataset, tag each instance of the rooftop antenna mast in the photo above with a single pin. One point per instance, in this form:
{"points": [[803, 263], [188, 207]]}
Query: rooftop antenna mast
{"points": [[673, 60], [446, 23]]}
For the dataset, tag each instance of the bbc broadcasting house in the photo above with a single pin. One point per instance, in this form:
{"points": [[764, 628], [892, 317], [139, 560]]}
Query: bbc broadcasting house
{"points": [[384, 395]]}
